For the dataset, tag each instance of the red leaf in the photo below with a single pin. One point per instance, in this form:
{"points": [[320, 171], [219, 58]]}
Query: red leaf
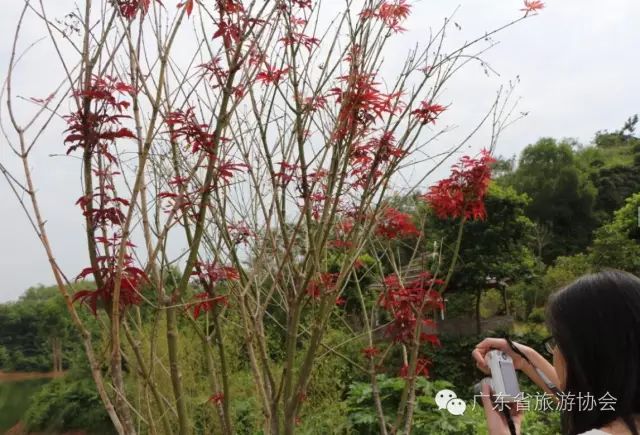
{"points": [[89, 297], [370, 352], [85, 272], [189, 7], [532, 6]]}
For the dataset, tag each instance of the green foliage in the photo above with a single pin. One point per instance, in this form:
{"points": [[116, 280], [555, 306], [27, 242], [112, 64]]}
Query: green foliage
{"points": [[564, 271], [492, 303], [562, 196], [524, 295], [67, 404], [537, 315], [617, 244], [428, 418], [538, 422], [496, 247], [27, 327], [15, 398], [614, 167]]}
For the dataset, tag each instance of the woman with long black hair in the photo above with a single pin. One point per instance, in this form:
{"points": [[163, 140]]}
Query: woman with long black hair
{"points": [[595, 341]]}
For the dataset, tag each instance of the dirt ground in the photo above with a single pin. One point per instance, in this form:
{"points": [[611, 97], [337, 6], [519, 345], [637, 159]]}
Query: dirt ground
{"points": [[19, 429], [23, 376]]}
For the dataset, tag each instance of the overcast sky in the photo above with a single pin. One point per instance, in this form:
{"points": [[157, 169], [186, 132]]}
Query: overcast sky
{"points": [[578, 65]]}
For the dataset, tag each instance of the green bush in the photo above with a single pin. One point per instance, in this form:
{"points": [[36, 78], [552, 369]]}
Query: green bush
{"points": [[537, 315], [428, 419], [67, 404], [15, 398]]}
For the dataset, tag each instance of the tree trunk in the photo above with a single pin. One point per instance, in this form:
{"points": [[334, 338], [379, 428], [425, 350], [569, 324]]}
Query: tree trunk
{"points": [[478, 325], [53, 354], [56, 354], [505, 299]]}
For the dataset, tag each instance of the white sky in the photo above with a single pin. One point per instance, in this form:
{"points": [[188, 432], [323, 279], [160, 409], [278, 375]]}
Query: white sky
{"points": [[578, 63]]}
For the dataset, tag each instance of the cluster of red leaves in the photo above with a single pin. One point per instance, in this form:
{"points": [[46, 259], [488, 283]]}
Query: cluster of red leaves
{"points": [[404, 302], [340, 244], [361, 103], [226, 170], [129, 8], [312, 188], [325, 283], [287, 6], [180, 198], [311, 104], [100, 126], [228, 31], [462, 194], [217, 398], [184, 125], [229, 6], [271, 75], [342, 232], [108, 210], [422, 368], [428, 112], [132, 278], [318, 200], [369, 158], [215, 72], [297, 39], [390, 13], [94, 128], [210, 274], [288, 172], [394, 224], [302, 4], [532, 6], [370, 352], [213, 274], [204, 302]]}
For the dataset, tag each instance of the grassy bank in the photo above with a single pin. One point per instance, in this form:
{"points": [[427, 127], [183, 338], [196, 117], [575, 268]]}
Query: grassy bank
{"points": [[15, 397]]}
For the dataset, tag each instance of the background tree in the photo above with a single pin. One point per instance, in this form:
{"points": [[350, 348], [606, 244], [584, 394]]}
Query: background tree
{"points": [[35, 332], [617, 244], [494, 249], [613, 165], [561, 196]]}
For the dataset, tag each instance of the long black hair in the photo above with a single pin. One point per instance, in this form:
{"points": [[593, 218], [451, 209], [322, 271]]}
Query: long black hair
{"points": [[596, 324]]}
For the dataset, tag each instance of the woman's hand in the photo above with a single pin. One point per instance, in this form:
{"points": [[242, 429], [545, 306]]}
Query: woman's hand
{"points": [[480, 352], [496, 421], [540, 364]]}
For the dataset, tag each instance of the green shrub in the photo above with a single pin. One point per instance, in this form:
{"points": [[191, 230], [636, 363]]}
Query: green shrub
{"points": [[428, 419], [537, 315], [67, 404]]}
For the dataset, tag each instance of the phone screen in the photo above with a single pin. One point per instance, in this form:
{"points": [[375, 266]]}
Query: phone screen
{"points": [[510, 379]]}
